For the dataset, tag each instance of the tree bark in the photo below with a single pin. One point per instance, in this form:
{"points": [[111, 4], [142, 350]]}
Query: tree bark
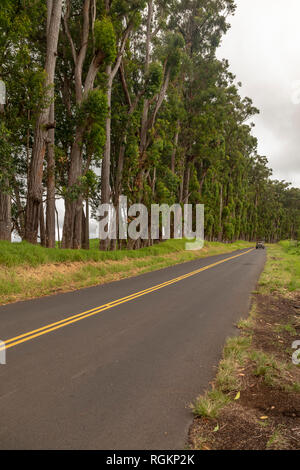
{"points": [[85, 227], [5, 208], [144, 123], [105, 169], [42, 225], [173, 157], [50, 205], [5, 216], [57, 225], [19, 222], [186, 184], [220, 234], [72, 230]]}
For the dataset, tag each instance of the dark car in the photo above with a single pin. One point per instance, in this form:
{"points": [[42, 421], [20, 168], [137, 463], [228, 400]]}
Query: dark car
{"points": [[260, 244]]}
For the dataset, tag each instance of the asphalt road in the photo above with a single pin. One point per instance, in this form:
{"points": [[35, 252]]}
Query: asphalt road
{"points": [[120, 376]]}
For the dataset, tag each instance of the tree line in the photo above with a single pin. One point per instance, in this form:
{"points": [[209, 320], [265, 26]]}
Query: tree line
{"points": [[114, 97]]}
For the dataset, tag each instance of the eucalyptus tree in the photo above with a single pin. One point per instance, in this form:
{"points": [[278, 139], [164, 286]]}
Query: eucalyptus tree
{"points": [[5, 197], [43, 125], [149, 64], [21, 70], [202, 25], [96, 57], [131, 13]]}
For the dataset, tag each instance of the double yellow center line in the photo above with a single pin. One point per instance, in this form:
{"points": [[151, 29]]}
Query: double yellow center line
{"points": [[95, 311]]}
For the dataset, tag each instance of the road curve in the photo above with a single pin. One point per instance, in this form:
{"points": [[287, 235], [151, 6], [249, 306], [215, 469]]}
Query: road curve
{"points": [[116, 366]]}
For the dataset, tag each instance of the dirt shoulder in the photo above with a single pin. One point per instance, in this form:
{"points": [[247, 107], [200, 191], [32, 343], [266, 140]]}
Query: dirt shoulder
{"points": [[254, 402]]}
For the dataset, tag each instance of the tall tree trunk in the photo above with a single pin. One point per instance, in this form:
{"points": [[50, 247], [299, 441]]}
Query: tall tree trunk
{"points": [[105, 169], [106, 161], [5, 208], [83, 221], [57, 225], [35, 191], [50, 205], [5, 216], [86, 226], [220, 234], [42, 225], [186, 184], [20, 219], [72, 229], [145, 113], [144, 127], [119, 176], [173, 157]]}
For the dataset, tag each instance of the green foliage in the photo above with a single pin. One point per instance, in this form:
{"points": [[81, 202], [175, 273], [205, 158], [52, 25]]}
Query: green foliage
{"points": [[153, 79], [91, 115], [94, 107], [105, 39]]}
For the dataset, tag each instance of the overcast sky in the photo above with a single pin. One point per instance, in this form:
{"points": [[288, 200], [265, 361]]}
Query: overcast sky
{"points": [[263, 49]]}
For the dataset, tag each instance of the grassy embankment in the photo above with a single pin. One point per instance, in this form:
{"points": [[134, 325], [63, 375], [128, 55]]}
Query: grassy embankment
{"points": [[28, 271], [254, 401]]}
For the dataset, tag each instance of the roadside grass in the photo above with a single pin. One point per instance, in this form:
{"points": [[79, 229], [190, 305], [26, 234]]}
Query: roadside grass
{"points": [[236, 348], [294, 388], [286, 328], [30, 271], [273, 372], [282, 270], [228, 378], [245, 324], [20, 254], [209, 405], [249, 361]]}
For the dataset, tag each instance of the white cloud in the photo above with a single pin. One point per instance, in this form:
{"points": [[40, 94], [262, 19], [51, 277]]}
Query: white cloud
{"points": [[263, 49]]}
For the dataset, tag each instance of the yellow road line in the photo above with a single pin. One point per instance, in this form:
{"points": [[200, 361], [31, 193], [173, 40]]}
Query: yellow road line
{"points": [[9, 343]]}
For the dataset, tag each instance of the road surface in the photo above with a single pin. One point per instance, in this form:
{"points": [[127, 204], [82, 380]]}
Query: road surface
{"points": [[116, 366]]}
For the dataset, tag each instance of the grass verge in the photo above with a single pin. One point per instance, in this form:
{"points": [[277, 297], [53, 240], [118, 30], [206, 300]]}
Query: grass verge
{"points": [[28, 271], [254, 402]]}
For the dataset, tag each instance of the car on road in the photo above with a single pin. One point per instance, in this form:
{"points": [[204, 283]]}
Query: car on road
{"points": [[260, 244]]}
